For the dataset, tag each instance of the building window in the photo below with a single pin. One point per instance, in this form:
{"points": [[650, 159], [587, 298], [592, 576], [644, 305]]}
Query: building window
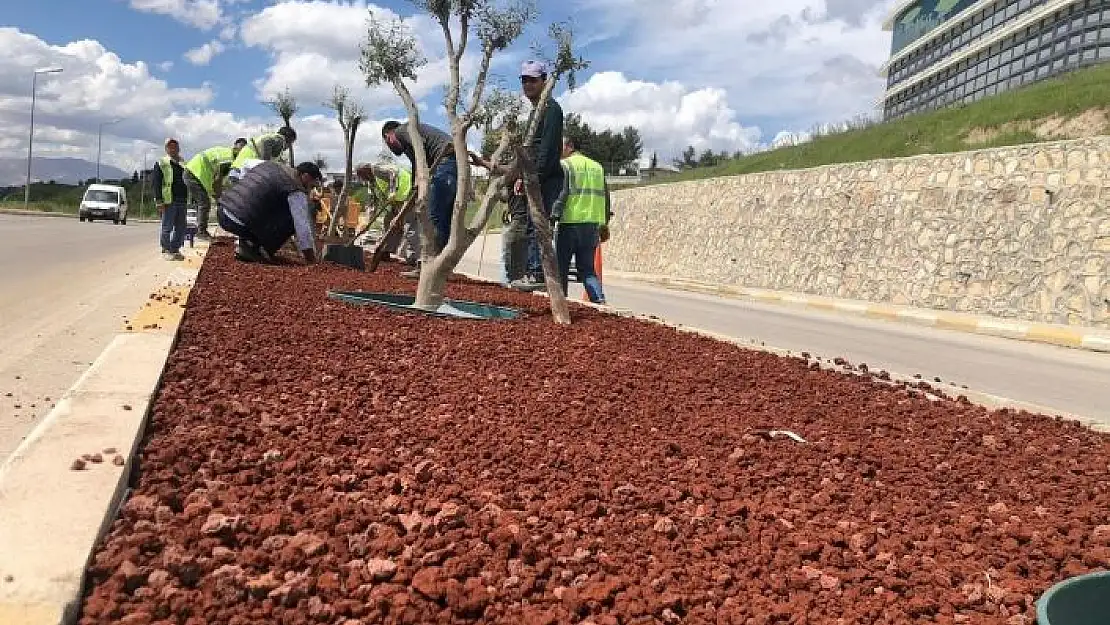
{"points": [[1090, 36], [1057, 64], [1089, 55]]}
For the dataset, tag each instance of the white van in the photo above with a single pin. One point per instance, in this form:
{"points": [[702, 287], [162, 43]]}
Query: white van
{"points": [[104, 201]]}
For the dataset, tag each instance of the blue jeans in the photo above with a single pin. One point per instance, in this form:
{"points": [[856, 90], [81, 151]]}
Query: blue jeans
{"points": [[549, 191], [173, 227], [441, 199], [579, 241]]}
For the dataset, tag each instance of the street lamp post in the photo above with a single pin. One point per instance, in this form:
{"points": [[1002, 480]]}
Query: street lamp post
{"points": [[99, 137], [31, 137]]}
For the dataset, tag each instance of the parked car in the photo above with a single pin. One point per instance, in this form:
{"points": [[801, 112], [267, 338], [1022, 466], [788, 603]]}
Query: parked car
{"points": [[104, 201]]}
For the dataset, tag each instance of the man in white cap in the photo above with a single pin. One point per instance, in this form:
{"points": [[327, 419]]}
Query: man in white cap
{"points": [[524, 269], [171, 196]]}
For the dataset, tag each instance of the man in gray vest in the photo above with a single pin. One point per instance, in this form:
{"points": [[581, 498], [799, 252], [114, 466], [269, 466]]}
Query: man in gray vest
{"points": [[269, 205]]}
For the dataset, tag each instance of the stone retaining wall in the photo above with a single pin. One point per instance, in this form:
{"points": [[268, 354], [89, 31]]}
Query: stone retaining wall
{"points": [[1020, 232]]}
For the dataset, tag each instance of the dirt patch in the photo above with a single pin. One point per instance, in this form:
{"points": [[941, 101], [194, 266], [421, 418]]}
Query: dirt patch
{"points": [[313, 462], [1089, 123]]}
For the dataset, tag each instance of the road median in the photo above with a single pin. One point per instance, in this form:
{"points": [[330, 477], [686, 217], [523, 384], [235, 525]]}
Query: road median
{"points": [[60, 489]]}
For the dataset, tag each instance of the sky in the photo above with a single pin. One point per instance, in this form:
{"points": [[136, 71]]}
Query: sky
{"points": [[716, 74]]}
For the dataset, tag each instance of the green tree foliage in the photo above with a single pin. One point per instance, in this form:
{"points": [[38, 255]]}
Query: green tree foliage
{"points": [[613, 150]]}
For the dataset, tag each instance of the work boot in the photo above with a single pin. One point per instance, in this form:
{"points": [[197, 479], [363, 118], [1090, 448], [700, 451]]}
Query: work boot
{"points": [[178, 256], [528, 283], [247, 253], [203, 235], [167, 256]]}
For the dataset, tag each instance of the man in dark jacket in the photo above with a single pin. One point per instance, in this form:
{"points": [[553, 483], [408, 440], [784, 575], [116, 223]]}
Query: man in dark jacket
{"points": [[444, 177], [170, 196], [269, 205], [524, 267]]}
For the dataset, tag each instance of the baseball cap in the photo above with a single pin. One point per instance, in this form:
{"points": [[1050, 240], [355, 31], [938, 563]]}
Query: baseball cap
{"points": [[534, 69], [310, 168]]}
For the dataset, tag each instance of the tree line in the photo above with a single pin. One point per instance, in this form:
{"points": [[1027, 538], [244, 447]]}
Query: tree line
{"points": [[614, 150]]}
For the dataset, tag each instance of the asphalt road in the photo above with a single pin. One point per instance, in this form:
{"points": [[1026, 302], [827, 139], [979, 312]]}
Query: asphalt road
{"points": [[65, 288], [1069, 380]]}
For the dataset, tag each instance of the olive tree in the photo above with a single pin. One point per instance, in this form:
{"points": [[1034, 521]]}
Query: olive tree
{"points": [[285, 106], [350, 116], [390, 55]]}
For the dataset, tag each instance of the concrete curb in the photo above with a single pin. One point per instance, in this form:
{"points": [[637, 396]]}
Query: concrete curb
{"points": [[51, 516], [986, 400], [1079, 337], [16, 211]]}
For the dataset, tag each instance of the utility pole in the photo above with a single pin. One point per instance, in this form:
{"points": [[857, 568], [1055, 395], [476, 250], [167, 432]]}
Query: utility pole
{"points": [[142, 184], [31, 138], [99, 136]]}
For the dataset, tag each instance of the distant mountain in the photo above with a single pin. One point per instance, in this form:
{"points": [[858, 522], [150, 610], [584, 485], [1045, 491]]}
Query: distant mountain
{"points": [[13, 171]]}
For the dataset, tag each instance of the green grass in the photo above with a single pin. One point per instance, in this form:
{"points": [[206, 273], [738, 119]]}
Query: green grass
{"points": [[63, 198], [937, 132]]}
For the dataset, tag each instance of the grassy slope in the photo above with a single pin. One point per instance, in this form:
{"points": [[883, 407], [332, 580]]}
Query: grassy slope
{"points": [[936, 132]]}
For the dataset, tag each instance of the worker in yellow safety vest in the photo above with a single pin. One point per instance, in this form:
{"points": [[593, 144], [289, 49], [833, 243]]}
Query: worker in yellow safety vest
{"points": [[394, 185], [204, 177], [581, 212], [265, 147], [171, 196]]}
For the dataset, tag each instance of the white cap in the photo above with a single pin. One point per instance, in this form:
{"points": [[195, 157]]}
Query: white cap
{"points": [[535, 69]]}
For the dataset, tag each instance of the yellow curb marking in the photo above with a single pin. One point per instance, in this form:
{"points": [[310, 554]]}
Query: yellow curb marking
{"points": [[161, 312], [1058, 336], [882, 312], [957, 323]]}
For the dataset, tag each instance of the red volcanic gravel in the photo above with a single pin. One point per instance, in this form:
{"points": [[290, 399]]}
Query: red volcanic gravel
{"points": [[309, 461]]}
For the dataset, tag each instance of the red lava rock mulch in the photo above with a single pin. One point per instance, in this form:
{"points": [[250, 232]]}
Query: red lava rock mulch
{"points": [[314, 462]]}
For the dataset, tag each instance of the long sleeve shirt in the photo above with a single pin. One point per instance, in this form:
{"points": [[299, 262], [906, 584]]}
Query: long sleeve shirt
{"points": [[546, 147], [302, 220], [435, 142], [178, 189]]}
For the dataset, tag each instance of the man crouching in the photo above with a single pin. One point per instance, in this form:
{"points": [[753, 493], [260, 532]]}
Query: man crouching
{"points": [[269, 205]]}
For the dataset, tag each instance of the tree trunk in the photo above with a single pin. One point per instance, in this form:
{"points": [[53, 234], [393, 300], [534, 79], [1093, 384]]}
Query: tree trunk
{"points": [[432, 287], [340, 207], [553, 280]]}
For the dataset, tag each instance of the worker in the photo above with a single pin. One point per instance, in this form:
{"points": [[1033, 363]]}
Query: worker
{"points": [[269, 205], [444, 177], [171, 196], [582, 211], [525, 268], [264, 148], [394, 185], [204, 177]]}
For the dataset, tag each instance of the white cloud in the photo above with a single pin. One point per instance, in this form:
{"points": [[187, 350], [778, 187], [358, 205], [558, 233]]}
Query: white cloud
{"points": [[669, 116], [786, 64], [203, 14], [316, 45], [165, 66], [204, 54]]}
